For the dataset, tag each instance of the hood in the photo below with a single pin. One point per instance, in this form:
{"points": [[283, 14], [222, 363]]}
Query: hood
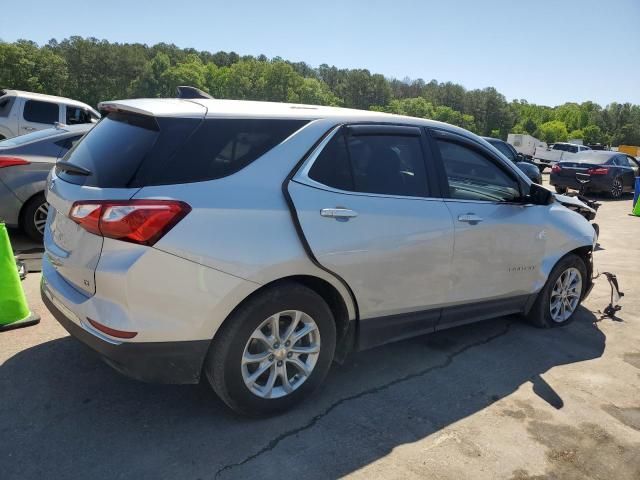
{"points": [[578, 205]]}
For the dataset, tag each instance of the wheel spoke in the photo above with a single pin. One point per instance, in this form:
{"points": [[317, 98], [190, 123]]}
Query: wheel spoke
{"points": [[275, 327], [261, 337], [268, 387], [255, 357], [300, 365], [286, 385], [300, 350], [297, 316], [303, 332], [260, 370]]}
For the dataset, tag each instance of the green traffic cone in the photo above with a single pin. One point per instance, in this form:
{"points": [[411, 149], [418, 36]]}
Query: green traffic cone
{"points": [[14, 311]]}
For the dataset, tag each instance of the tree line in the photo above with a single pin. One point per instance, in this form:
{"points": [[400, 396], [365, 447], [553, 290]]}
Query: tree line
{"points": [[93, 70]]}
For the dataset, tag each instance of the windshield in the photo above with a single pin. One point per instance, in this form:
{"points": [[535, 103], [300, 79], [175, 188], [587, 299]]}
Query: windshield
{"points": [[31, 137]]}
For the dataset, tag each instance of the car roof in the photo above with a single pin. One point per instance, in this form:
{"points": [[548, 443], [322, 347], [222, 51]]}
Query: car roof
{"points": [[45, 97], [600, 154], [216, 108]]}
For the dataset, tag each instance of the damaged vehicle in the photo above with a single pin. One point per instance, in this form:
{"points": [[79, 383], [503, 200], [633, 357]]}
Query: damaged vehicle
{"points": [[254, 243]]}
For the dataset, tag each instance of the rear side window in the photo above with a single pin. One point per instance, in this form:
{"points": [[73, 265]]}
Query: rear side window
{"points": [[382, 164], [128, 150], [41, 112], [221, 147]]}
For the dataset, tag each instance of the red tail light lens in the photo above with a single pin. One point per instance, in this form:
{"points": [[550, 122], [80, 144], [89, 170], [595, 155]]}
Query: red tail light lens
{"points": [[556, 168], [137, 221], [12, 161], [598, 171]]}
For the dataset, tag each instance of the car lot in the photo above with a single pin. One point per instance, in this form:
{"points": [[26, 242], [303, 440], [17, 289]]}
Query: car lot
{"points": [[497, 399]]}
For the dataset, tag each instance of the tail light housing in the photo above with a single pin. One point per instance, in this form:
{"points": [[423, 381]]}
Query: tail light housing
{"points": [[598, 171], [12, 161], [137, 221], [556, 168]]}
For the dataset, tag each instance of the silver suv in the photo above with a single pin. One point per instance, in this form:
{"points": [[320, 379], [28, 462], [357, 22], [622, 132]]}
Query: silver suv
{"points": [[256, 242]]}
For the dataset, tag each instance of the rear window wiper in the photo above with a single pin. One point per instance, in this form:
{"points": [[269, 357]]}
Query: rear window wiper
{"points": [[72, 169]]}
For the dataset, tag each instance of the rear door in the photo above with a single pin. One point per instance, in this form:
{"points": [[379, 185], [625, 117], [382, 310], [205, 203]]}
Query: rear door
{"points": [[369, 208], [114, 152], [499, 242], [37, 115]]}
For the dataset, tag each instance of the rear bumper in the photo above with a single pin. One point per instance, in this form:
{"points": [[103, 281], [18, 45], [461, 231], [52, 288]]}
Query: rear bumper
{"points": [[157, 362]]}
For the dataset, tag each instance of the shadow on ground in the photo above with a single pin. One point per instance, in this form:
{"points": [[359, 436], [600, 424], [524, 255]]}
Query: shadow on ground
{"points": [[66, 414]]}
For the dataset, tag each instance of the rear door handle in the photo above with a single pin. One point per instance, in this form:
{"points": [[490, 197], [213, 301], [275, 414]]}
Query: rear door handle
{"points": [[338, 213], [471, 218]]}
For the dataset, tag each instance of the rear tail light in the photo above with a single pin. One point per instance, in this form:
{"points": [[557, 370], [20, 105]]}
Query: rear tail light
{"points": [[12, 161], [137, 221], [556, 168], [598, 171], [111, 331]]}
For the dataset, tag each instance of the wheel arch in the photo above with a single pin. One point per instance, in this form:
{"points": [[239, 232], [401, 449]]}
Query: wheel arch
{"points": [[345, 322], [24, 206]]}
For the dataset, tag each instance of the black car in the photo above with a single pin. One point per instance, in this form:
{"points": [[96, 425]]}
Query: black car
{"points": [[596, 171], [529, 169]]}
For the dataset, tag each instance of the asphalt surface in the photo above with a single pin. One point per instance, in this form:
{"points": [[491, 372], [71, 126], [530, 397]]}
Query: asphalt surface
{"points": [[498, 399]]}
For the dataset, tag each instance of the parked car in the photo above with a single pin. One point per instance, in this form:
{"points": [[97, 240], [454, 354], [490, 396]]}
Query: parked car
{"points": [[25, 162], [255, 242], [26, 112], [529, 169], [557, 152], [525, 144], [596, 171]]}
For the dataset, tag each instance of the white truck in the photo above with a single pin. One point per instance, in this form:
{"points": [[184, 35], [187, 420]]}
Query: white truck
{"points": [[25, 112], [524, 144], [548, 156]]}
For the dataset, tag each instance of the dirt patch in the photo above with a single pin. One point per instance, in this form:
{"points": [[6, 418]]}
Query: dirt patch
{"points": [[586, 451], [521, 474], [629, 416], [525, 411], [632, 359]]}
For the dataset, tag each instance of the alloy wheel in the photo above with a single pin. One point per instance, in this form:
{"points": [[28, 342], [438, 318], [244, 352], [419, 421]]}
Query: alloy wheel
{"points": [[616, 188], [40, 217], [565, 295], [280, 354]]}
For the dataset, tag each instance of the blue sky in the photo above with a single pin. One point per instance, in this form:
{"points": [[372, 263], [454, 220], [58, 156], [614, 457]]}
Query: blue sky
{"points": [[546, 52]]}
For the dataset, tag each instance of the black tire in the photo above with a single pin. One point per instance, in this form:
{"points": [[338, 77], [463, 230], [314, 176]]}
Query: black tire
{"points": [[617, 188], [223, 363], [30, 215], [561, 190], [540, 314]]}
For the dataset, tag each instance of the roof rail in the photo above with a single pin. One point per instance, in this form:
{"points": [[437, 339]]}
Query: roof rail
{"points": [[185, 91]]}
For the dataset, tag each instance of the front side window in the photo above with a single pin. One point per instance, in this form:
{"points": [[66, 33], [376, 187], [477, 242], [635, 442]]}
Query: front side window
{"points": [[380, 164], [41, 112], [473, 176], [77, 115]]}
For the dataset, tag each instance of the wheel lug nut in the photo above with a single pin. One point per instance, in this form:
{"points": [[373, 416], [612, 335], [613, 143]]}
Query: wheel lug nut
{"points": [[289, 355], [279, 363], [287, 343], [271, 357], [276, 345]]}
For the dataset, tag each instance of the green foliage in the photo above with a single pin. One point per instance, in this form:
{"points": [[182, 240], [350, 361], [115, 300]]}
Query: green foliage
{"points": [[554, 131], [93, 70]]}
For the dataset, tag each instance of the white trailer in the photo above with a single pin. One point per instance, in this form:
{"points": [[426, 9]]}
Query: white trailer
{"points": [[525, 144]]}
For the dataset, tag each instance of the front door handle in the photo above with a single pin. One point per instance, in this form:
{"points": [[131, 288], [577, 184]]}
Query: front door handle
{"points": [[338, 212], [470, 218], [30, 129]]}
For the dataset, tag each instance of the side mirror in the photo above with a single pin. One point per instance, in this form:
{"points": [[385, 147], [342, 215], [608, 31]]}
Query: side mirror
{"points": [[538, 195]]}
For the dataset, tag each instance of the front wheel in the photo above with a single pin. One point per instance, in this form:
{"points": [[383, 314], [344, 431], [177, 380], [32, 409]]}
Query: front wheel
{"points": [[560, 297], [562, 190], [273, 351]]}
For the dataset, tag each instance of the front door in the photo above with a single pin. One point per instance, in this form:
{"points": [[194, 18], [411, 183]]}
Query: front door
{"points": [[369, 215], [499, 241]]}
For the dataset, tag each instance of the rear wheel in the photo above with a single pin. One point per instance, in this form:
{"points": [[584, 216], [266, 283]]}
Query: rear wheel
{"points": [[273, 351], [561, 190], [560, 297], [34, 217], [616, 188]]}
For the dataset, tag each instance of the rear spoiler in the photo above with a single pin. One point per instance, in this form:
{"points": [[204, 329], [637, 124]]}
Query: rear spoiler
{"points": [[155, 107]]}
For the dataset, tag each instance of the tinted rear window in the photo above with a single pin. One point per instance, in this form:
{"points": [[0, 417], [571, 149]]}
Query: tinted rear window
{"points": [[128, 150], [592, 156]]}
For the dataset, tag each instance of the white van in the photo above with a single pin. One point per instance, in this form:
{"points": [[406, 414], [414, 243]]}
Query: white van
{"points": [[25, 112]]}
